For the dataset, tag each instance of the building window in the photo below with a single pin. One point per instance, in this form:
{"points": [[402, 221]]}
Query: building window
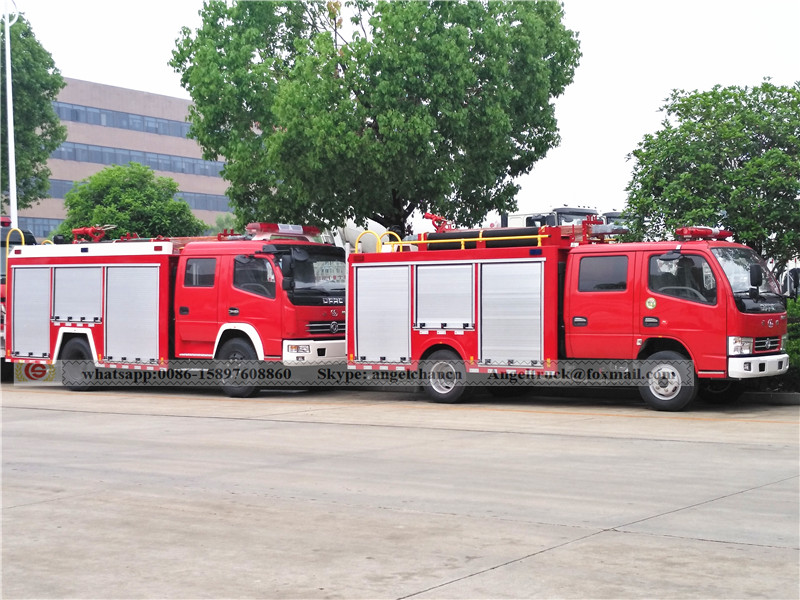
{"points": [[120, 120], [40, 228], [122, 156]]}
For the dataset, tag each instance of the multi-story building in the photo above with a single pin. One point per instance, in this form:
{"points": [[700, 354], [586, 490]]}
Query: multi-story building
{"points": [[109, 125]]}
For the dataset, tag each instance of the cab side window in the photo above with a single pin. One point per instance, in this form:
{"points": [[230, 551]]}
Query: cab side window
{"points": [[200, 272], [254, 275], [603, 274], [689, 277]]}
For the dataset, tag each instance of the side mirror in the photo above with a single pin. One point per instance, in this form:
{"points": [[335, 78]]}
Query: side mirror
{"points": [[288, 283], [300, 255], [756, 277]]}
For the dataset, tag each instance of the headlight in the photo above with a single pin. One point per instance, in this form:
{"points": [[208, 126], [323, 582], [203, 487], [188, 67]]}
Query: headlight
{"points": [[300, 349], [740, 345]]}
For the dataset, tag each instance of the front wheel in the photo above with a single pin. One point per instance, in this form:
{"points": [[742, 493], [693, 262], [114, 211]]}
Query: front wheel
{"points": [[668, 386], [237, 350], [445, 377]]}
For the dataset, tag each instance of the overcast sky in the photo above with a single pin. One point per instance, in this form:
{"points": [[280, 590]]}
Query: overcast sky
{"points": [[634, 53]]}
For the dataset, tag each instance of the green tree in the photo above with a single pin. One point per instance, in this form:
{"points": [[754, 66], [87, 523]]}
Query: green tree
{"points": [[134, 200], [429, 106], [727, 157], [225, 221], [37, 129]]}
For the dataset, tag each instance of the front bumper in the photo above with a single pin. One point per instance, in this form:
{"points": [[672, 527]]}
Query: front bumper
{"points": [[319, 352], [748, 367]]}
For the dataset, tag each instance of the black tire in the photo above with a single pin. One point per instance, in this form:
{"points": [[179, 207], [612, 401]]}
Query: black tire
{"points": [[446, 377], [6, 371], [721, 391], [668, 388], [234, 350], [78, 351]]}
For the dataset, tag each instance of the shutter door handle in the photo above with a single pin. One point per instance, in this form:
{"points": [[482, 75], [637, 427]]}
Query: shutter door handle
{"points": [[580, 321], [183, 310]]}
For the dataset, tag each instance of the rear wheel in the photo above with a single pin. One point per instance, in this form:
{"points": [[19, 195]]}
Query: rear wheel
{"points": [[237, 350], [445, 377], [668, 386], [79, 353]]}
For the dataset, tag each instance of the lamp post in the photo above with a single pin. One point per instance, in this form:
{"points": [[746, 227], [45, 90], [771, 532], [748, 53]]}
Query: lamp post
{"points": [[12, 160]]}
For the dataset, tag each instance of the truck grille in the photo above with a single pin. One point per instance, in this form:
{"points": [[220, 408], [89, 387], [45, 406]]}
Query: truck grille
{"points": [[326, 327], [767, 344]]}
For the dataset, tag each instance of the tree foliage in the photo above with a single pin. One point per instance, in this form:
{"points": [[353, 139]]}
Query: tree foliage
{"points": [[430, 106], [38, 132], [727, 157], [133, 199]]}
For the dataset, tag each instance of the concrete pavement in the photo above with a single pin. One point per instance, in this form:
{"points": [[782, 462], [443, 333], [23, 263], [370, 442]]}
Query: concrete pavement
{"points": [[369, 494]]}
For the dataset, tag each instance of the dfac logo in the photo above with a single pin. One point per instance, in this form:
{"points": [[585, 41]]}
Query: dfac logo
{"points": [[337, 301], [34, 373]]}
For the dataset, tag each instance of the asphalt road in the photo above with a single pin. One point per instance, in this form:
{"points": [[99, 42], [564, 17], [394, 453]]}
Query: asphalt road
{"points": [[129, 493]]}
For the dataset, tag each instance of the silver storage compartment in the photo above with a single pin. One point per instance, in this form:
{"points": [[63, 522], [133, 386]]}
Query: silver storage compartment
{"points": [[511, 313], [77, 294], [30, 320], [383, 313], [132, 314], [445, 297]]}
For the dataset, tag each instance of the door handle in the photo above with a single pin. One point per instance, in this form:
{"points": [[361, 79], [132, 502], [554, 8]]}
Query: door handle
{"points": [[183, 310], [651, 321], [580, 321], [233, 311]]}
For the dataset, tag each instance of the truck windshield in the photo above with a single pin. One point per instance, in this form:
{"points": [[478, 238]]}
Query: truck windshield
{"points": [[319, 277], [736, 264], [576, 218], [320, 272]]}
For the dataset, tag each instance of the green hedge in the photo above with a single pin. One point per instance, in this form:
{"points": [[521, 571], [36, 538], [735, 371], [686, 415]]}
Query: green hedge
{"points": [[793, 346]]}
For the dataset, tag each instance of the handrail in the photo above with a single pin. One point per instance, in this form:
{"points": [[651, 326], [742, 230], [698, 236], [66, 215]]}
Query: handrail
{"points": [[378, 237], [8, 239], [462, 241]]}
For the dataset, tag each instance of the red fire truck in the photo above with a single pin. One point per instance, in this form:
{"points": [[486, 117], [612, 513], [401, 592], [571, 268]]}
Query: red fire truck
{"points": [[272, 295], [523, 301]]}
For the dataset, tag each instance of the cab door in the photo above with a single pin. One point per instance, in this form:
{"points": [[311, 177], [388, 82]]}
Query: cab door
{"points": [[598, 305], [682, 302], [249, 297], [197, 307]]}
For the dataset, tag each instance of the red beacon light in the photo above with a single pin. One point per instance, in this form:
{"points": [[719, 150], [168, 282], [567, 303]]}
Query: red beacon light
{"points": [[702, 233], [266, 231], [5, 221]]}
